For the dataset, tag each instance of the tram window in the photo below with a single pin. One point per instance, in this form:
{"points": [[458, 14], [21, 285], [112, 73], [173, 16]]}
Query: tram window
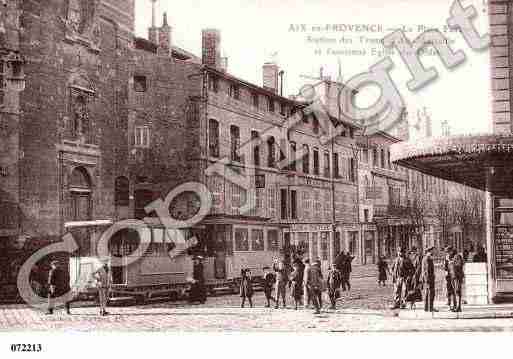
{"points": [[241, 240], [503, 218], [257, 240], [273, 240]]}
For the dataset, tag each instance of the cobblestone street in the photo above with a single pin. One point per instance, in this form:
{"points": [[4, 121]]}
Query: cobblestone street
{"points": [[364, 309]]}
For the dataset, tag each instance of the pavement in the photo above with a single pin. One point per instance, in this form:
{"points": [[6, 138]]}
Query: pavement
{"points": [[363, 309]]}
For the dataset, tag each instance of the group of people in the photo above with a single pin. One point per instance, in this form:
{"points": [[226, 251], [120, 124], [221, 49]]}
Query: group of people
{"points": [[303, 279], [58, 286], [414, 278]]}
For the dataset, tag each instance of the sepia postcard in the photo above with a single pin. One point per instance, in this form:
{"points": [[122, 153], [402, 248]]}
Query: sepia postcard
{"points": [[254, 166]]}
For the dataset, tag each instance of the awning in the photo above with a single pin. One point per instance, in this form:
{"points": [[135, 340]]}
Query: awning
{"points": [[484, 161]]}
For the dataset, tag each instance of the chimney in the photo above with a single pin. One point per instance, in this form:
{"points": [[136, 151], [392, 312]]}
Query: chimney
{"points": [[153, 31], [165, 45], [270, 76], [211, 48]]}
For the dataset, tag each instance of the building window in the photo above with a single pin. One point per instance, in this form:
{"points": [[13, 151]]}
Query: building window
{"points": [[388, 160], [81, 125], [353, 243], [257, 240], [142, 198], [235, 143], [121, 192], [241, 240], [293, 204], [336, 169], [234, 91], [140, 84], [365, 157], [255, 138], [213, 133], [315, 124], [315, 246], [273, 242], [80, 195], [213, 83], [271, 152], [366, 215], [383, 162], [270, 104], [283, 109], [283, 204], [2, 82], [306, 205], [316, 161], [283, 154], [292, 166], [306, 159], [327, 169], [375, 157], [142, 136], [255, 98], [352, 170], [324, 246]]}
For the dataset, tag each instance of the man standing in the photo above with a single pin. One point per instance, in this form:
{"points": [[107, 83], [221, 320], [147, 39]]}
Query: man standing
{"points": [[102, 278], [282, 279], [401, 271], [448, 282], [198, 291], [314, 284], [346, 272], [456, 274], [57, 286], [428, 278]]}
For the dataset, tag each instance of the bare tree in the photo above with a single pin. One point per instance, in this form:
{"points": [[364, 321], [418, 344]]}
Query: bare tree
{"points": [[417, 211], [468, 209]]}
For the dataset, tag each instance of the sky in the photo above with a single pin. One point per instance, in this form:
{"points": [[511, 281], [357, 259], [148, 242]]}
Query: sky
{"points": [[256, 31]]}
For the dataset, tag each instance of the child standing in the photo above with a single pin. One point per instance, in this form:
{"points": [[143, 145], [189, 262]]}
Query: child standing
{"points": [[246, 287], [268, 285]]}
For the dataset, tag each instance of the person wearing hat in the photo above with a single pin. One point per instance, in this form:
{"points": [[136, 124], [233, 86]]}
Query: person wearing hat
{"points": [[282, 279], [198, 292], [448, 283], [456, 274], [428, 278], [103, 281], [57, 286], [401, 271], [314, 284]]}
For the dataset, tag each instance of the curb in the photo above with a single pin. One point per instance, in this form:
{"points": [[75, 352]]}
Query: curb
{"points": [[451, 315]]}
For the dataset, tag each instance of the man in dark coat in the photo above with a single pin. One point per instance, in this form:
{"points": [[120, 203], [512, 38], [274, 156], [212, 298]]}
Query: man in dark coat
{"points": [[480, 255], [58, 285], [346, 271], [401, 271], [282, 279], [448, 282], [428, 278], [198, 291], [314, 284], [456, 274]]}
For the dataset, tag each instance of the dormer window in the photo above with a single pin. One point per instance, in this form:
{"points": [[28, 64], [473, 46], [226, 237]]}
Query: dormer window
{"points": [[234, 91], [140, 84]]}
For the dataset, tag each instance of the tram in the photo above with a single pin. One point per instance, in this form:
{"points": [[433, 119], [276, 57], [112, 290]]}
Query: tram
{"points": [[165, 268]]}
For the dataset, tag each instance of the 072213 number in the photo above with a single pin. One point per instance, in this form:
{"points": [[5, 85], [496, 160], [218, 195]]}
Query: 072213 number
{"points": [[26, 348]]}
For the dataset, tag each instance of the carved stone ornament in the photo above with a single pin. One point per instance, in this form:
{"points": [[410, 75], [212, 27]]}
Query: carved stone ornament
{"points": [[81, 22]]}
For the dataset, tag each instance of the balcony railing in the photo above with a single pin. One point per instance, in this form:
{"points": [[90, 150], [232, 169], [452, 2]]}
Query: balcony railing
{"points": [[389, 210]]}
